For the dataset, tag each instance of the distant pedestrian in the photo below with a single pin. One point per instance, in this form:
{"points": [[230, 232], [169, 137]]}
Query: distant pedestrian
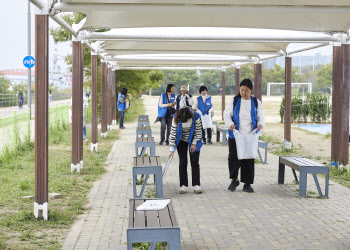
{"points": [[205, 106], [166, 111], [50, 95], [184, 99], [20, 98], [122, 100]]}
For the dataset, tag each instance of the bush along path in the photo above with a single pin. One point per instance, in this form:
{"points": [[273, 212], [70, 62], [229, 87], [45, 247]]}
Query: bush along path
{"points": [[18, 227]]}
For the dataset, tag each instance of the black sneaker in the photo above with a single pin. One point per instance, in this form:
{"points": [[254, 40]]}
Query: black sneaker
{"points": [[204, 141], [233, 185], [247, 188], [209, 141], [167, 143], [161, 143]]}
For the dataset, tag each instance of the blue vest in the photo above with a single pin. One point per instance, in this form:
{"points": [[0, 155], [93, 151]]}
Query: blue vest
{"points": [[201, 106], [121, 106], [199, 143], [235, 118], [162, 111]]}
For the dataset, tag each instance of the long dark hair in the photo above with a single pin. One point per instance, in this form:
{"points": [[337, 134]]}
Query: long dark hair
{"points": [[183, 115], [124, 91], [168, 88], [246, 82]]}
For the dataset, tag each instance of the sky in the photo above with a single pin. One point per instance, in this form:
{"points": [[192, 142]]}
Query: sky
{"points": [[13, 45]]}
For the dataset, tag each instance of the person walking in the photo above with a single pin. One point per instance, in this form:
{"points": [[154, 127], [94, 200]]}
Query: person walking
{"points": [[186, 135], [166, 111], [184, 99], [20, 96], [205, 106], [122, 106], [244, 113]]}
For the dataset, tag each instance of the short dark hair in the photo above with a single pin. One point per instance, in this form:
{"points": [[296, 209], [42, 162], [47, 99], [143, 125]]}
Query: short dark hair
{"points": [[124, 91], [168, 87], [183, 115], [246, 82], [202, 88]]}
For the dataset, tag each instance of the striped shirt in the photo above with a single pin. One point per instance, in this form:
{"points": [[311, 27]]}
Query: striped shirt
{"points": [[186, 128]]}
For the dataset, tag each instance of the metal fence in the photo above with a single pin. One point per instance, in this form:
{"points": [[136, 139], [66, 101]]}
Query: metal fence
{"points": [[9, 100]]}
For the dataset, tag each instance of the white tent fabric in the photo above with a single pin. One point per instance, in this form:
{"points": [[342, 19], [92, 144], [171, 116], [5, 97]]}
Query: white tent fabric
{"points": [[315, 15]]}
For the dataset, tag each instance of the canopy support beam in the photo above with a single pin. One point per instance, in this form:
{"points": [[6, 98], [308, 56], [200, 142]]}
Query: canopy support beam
{"points": [[237, 76], [104, 70], [223, 92], [288, 102], [94, 122], [258, 80]]}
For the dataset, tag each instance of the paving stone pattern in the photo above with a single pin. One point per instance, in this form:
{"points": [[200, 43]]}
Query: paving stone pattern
{"points": [[271, 218]]}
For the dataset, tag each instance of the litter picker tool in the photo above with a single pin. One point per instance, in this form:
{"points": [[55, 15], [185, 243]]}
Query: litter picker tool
{"points": [[167, 165]]}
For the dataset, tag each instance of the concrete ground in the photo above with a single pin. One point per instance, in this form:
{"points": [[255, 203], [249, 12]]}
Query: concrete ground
{"points": [[271, 218]]}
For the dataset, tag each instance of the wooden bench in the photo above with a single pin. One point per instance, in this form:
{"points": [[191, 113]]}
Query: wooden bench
{"points": [[148, 165], [145, 142], [143, 122], [224, 132], [152, 226], [304, 166], [143, 117], [262, 144], [143, 130]]}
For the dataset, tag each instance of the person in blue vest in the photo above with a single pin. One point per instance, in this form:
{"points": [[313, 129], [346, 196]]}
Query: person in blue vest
{"points": [[186, 135], [122, 106], [166, 112], [244, 113], [205, 106], [184, 99]]}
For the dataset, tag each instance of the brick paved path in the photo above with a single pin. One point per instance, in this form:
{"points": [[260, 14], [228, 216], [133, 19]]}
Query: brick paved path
{"points": [[271, 218]]}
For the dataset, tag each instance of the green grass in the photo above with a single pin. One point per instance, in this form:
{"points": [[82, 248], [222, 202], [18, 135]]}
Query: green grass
{"points": [[341, 176], [19, 229]]}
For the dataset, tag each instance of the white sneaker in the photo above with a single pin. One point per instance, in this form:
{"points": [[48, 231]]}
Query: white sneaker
{"points": [[183, 190], [198, 189]]}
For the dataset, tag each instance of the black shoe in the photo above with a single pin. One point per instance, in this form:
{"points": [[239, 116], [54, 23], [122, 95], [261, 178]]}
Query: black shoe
{"points": [[248, 188], [204, 141], [233, 185], [209, 141], [167, 143], [161, 143]]}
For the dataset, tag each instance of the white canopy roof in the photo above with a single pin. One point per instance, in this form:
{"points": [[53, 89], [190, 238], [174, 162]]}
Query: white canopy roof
{"points": [[303, 15]]}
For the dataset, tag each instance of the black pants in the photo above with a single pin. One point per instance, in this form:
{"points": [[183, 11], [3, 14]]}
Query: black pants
{"points": [[247, 166], [208, 133], [165, 124], [182, 150]]}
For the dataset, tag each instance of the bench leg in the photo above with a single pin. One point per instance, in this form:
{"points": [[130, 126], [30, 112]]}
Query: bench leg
{"points": [[327, 184], [153, 245], [265, 155], [159, 184], [134, 184], [223, 139], [281, 170], [153, 150], [295, 176], [143, 186], [136, 150], [317, 185], [174, 243], [302, 185], [217, 136], [260, 156], [143, 150]]}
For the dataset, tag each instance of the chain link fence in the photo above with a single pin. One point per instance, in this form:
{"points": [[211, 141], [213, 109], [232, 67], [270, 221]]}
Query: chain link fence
{"points": [[9, 100]]}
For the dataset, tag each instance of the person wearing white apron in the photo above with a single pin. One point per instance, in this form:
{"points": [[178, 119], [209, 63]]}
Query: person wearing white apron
{"points": [[244, 113]]}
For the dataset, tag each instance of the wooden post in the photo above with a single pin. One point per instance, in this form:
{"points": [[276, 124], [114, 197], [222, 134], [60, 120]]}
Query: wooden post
{"points": [[81, 104], [114, 99], [340, 105], [237, 80], [104, 99], [223, 92], [288, 102], [258, 80], [41, 115], [110, 97], [76, 106], [94, 122]]}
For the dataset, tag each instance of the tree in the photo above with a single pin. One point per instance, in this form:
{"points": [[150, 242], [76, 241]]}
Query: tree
{"points": [[324, 78], [4, 84]]}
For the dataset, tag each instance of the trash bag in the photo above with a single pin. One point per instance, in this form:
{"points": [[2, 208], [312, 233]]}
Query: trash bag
{"points": [[207, 121], [247, 145], [158, 119]]}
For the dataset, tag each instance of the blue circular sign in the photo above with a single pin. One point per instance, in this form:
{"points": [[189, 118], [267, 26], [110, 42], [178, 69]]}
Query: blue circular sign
{"points": [[29, 62]]}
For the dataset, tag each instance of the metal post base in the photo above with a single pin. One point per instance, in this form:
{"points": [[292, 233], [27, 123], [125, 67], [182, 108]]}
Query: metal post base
{"points": [[287, 144], [114, 122], [75, 167], [94, 147], [109, 127], [341, 167], [104, 134], [44, 208], [81, 164]]}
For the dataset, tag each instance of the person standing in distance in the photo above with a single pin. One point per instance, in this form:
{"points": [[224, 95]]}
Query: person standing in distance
{"points": [[244, 113], [166, 111], [184, 99], [122, 106], [205, 106]]}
